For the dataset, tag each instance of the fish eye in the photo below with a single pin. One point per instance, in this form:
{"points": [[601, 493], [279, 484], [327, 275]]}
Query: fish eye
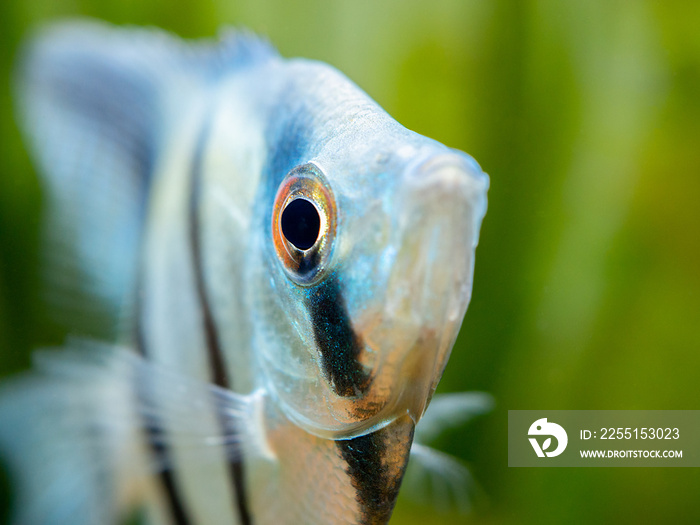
{"points": [[303, 224]]}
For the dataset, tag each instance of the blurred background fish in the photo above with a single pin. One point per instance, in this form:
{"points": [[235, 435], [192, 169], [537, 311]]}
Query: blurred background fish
{"points": [[587, 294]]}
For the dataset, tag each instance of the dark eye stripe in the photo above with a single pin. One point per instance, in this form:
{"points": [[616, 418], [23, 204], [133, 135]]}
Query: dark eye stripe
{"points": [[338, 344]]}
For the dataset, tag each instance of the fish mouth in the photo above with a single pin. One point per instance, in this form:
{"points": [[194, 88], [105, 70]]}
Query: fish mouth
{"points": [[443, 201], [442, 205]]}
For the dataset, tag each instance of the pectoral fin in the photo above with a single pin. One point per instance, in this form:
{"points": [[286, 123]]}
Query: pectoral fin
{"points": [[78, 433]]}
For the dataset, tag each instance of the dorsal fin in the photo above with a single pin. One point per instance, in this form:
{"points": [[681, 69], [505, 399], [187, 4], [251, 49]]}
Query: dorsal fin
{"points": [[92, 104]]}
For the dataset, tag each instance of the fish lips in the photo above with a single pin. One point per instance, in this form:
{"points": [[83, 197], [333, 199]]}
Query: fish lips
{"points": [[442, 203]]}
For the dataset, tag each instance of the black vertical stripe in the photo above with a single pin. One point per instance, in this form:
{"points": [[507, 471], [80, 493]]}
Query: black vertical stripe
{"points": [[213, 343], [376, 464], [338, 344], [154, 432]]}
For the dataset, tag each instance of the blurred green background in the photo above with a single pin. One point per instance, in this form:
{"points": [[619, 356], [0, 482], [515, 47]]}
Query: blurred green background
{"points": [[586, 115]]}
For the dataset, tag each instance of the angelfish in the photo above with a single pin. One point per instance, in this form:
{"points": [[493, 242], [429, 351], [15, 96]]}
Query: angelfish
{"points": [[279, 268]]}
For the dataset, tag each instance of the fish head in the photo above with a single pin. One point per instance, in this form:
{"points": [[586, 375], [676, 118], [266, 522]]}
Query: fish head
{"points": [[367, 264]]}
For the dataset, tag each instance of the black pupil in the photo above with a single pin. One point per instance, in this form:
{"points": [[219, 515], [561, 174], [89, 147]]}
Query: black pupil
{"points": [[301, 223]]}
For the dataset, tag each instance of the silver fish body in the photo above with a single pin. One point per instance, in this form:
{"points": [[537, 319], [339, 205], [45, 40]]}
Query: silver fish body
{"points": [[286, 266]]}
